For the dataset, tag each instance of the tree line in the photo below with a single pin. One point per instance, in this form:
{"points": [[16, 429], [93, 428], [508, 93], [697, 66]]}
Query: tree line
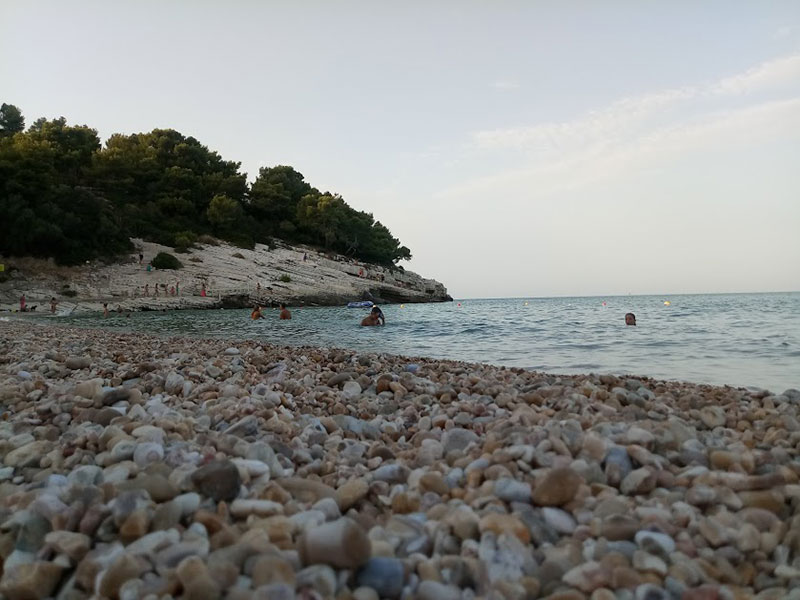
{"points": [[65, 195]]}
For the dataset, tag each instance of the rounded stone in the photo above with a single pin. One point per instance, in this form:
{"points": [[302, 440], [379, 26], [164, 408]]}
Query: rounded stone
{"points": [[557, 487]]}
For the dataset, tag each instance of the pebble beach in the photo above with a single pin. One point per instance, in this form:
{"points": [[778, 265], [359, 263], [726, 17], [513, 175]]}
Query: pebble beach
{"points": [[140, 466]]}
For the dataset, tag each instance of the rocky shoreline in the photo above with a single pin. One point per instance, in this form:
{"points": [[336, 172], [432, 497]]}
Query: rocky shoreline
{"points": [[135, 466], [230, 277]]}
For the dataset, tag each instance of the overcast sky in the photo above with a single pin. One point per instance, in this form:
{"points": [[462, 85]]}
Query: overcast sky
{"points": [[518, 148]]}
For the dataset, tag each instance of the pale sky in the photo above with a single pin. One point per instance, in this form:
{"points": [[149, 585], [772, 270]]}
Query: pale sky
{"points": [[518, 148]]}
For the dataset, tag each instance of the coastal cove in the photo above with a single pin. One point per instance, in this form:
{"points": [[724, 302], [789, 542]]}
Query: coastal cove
{"points": [[721, 339]]}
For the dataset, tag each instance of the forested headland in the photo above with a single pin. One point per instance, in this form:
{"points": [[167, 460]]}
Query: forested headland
{"points": [[65, 195]]}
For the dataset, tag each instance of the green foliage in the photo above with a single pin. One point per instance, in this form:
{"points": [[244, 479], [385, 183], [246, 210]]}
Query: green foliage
{"points": [[164, 260], [69, 293], [184, 240], [63, 195], [223, 213], [11, 120], [284, 278], [48, 201]]}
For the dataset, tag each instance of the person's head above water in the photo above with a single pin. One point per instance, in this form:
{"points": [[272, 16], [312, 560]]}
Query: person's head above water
{"points": [[630, 319]]}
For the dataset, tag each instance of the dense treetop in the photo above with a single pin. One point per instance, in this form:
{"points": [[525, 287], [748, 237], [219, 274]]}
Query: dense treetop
{"points": [[63, 194]]}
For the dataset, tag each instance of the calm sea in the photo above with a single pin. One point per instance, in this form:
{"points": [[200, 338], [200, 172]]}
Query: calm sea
{"points": [[736, 339]]}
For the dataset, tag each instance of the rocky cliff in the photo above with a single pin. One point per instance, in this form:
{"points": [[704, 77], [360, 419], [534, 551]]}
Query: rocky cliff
{"points": [[231, 277]]}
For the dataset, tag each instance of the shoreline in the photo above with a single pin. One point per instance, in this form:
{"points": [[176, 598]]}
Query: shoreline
{"points": [[258, 470], [117, 322]]}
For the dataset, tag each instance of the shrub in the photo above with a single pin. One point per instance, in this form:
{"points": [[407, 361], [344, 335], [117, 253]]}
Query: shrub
{"points": [[69, 293], [241, 240], [209, 240], [184, 240], [285, 278], [163, 260]]}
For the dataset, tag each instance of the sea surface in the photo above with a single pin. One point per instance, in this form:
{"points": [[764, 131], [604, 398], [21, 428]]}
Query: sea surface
{"points": [[734, 339]]}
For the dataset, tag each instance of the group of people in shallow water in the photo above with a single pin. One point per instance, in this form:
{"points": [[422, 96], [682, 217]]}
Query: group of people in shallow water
{"points": [[283, 315], [375, 316]]}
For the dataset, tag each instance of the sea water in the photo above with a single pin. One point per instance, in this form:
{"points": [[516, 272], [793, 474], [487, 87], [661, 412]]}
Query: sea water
{"points": [[734, 339]]}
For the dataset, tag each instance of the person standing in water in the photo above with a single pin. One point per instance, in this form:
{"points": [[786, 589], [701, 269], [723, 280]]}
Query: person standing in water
{"points": [[256, 314], [375, 317], [53, 305], [105, 310], [284, 315], [630, 319]]}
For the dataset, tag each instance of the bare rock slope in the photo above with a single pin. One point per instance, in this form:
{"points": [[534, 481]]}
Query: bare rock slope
{"points": [[231, 277]]}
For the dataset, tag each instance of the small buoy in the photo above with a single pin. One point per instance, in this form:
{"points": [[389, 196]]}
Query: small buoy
{"points": [[459, 303], [526, 304], [402, 306], [667, 302], [604, 303]]}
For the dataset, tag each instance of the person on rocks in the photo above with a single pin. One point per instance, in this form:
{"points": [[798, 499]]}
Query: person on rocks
{"points": [[256, 314], [146, 289], [105, 310], [284, 315], [375, 317], [630, 319], [141, 258], [53, 305], [22, 303]]}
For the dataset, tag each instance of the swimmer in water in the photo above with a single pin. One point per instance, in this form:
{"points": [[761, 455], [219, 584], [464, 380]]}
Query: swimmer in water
{"points": [[375, 317], [256, 314], [630, 319], [285, 315]]}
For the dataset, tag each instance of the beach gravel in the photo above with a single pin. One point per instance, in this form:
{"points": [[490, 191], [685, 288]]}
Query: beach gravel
{"points": [[136, 466]]}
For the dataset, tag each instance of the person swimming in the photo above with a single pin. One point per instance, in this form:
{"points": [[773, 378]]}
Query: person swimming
{"points": [[256, 314], [375, 317], [285, 315], [630, 319]]}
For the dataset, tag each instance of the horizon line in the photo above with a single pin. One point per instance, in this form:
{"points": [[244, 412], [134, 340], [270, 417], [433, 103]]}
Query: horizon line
{"points": [[621, 295]]}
